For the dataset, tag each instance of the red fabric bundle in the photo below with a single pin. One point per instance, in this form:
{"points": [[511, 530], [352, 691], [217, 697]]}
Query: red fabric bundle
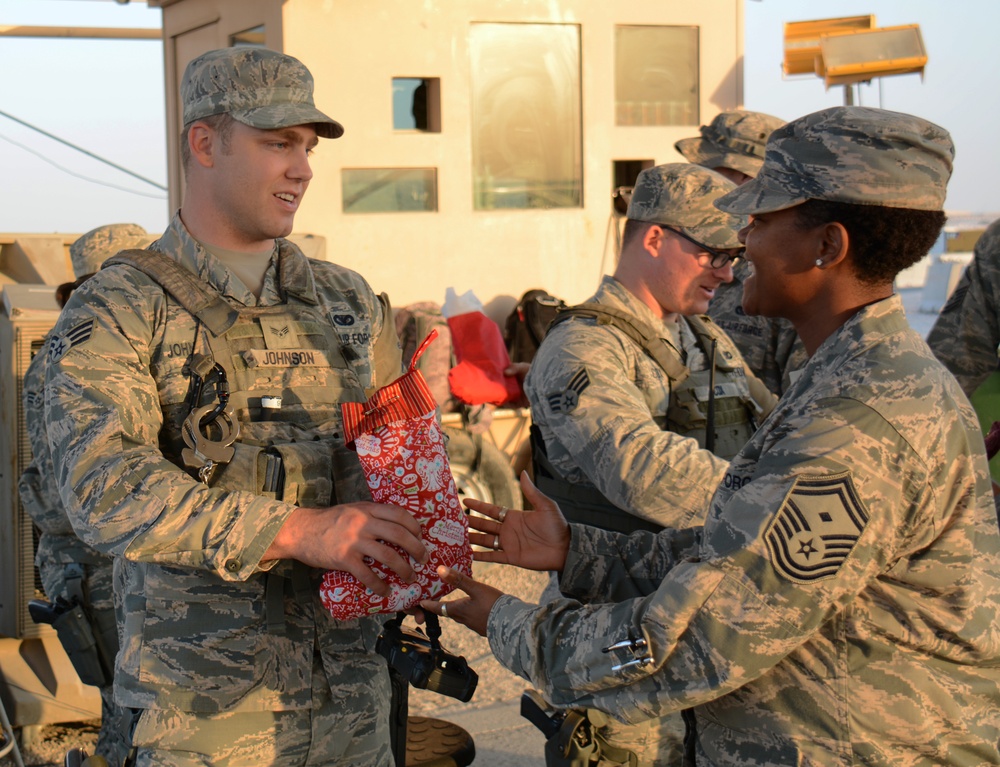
{"points": [[481, 353], [402, 450]]}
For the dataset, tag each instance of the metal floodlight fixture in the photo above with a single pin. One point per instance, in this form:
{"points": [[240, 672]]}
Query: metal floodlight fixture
{"points": [[858, 56], [802, 40]]}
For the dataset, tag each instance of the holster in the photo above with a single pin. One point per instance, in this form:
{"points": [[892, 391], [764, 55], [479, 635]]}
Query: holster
{"points": [[578, 744], [85, 649]]}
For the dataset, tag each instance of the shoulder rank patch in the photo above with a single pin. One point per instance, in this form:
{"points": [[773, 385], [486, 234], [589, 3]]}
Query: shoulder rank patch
{"points": [[566, 401], [59, 345], [816, 528]]}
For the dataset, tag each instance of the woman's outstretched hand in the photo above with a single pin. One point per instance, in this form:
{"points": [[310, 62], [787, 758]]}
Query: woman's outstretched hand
{"points": [[534, 540]]}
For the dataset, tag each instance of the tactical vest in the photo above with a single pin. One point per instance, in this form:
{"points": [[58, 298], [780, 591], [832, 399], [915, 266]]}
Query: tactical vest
{"points": [[719, 396], [294, 454]]}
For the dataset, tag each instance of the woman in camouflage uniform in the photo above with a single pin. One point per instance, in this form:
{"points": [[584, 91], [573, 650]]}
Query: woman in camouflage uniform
{"points": [[840, 604]]}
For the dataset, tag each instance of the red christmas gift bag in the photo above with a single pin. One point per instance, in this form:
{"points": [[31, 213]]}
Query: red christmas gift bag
{"points": [[402, 451]]}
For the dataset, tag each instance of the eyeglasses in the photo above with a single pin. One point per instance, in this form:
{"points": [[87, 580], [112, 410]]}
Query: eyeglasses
{"points": [[716, 258]]}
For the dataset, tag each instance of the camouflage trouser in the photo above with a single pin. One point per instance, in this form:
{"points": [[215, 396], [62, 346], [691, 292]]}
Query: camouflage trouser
{"points": [[349, 727], [655, 742], [112, 740]]}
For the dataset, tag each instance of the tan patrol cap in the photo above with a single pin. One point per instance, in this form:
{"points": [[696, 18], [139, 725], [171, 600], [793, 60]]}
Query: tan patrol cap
{"points": [[257, 87], [856, 155], [95, 247], [680, 195]]}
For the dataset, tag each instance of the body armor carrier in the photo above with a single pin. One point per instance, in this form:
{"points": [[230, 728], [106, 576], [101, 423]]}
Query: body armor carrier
{"points": [[295, 454], [711, 406], [291, 351]]}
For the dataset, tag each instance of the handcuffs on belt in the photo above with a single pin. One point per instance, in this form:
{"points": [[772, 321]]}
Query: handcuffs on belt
{"points": [[203, 452]]}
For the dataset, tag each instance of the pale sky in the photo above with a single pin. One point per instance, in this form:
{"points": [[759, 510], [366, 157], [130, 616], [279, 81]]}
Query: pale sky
{"points": [[107, 97]]}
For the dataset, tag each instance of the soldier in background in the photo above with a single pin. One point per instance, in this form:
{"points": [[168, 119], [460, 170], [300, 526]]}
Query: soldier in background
{"points": [[619, 388], [966, 334], [69, 568], [628, 389], [841, 603], [192, 411], [733, 145]]}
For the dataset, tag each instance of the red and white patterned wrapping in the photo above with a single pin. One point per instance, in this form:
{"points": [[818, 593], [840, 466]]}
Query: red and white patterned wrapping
{"points": [[402, 450]]}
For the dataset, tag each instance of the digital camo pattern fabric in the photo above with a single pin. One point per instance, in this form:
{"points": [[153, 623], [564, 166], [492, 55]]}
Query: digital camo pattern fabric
{"points": [[91, 250], [207, 627], [856, 155], [841, 604], [601, 404], [966, 333], [734, 139], [681, 195], [769, 345], [58, 546], [258, 87]]}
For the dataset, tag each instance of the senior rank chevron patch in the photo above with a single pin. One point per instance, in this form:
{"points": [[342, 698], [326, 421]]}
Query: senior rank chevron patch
{"points": [[566, 401], [76, 335], [816, 528]]}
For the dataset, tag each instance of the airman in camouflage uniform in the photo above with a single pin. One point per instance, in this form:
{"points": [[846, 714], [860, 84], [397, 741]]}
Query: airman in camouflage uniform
{"points": [[733, 145], [615, 420], [841, 603], [966, 334], [69, 567], [622, 427], [222, 511]]}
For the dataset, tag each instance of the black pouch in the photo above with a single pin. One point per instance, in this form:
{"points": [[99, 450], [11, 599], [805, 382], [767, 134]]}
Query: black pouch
{"points": [[77, 638]]}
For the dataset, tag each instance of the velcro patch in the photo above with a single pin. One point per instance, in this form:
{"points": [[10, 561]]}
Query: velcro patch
{"points": [[61, 344], [816, 528], [566, 401], [279, 333]]}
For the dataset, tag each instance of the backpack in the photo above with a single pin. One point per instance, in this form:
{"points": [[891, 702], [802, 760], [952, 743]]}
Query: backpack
{"points": [[526, 325], [413, 323]]}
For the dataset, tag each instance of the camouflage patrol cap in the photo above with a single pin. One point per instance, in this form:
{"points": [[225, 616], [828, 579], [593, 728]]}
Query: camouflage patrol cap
{"points": [[95, 247], [680, 195], [733, 139], [856, 155], [257, 87]]}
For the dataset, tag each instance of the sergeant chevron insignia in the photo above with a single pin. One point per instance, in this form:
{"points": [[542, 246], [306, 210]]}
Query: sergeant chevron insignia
{"points": [[816, 528], [76, 335], [566, 401]]}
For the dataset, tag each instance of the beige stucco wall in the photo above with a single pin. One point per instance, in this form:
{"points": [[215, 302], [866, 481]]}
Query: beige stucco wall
{"points": [[355, 48]]}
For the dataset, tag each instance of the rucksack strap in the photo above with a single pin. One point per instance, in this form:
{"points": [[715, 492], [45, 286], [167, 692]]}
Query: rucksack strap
{"points": [[643, 334], [199, 298]]}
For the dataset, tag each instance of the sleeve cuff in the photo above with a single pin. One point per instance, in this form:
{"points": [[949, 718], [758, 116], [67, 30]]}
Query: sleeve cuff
{"points": [[262, 520], [509, 633]]}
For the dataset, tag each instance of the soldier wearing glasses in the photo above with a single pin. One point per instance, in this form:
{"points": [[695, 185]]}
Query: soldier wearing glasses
{"points": [[638, 399]]}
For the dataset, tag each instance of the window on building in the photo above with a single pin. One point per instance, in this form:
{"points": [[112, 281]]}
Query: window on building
{"points": [[656, 75], [623, 176], [526, 121], [253, 36], [416, 104], [389, 190]]}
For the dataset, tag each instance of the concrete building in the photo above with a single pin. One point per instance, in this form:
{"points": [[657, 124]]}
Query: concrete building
{"points": [[484, 138]]}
